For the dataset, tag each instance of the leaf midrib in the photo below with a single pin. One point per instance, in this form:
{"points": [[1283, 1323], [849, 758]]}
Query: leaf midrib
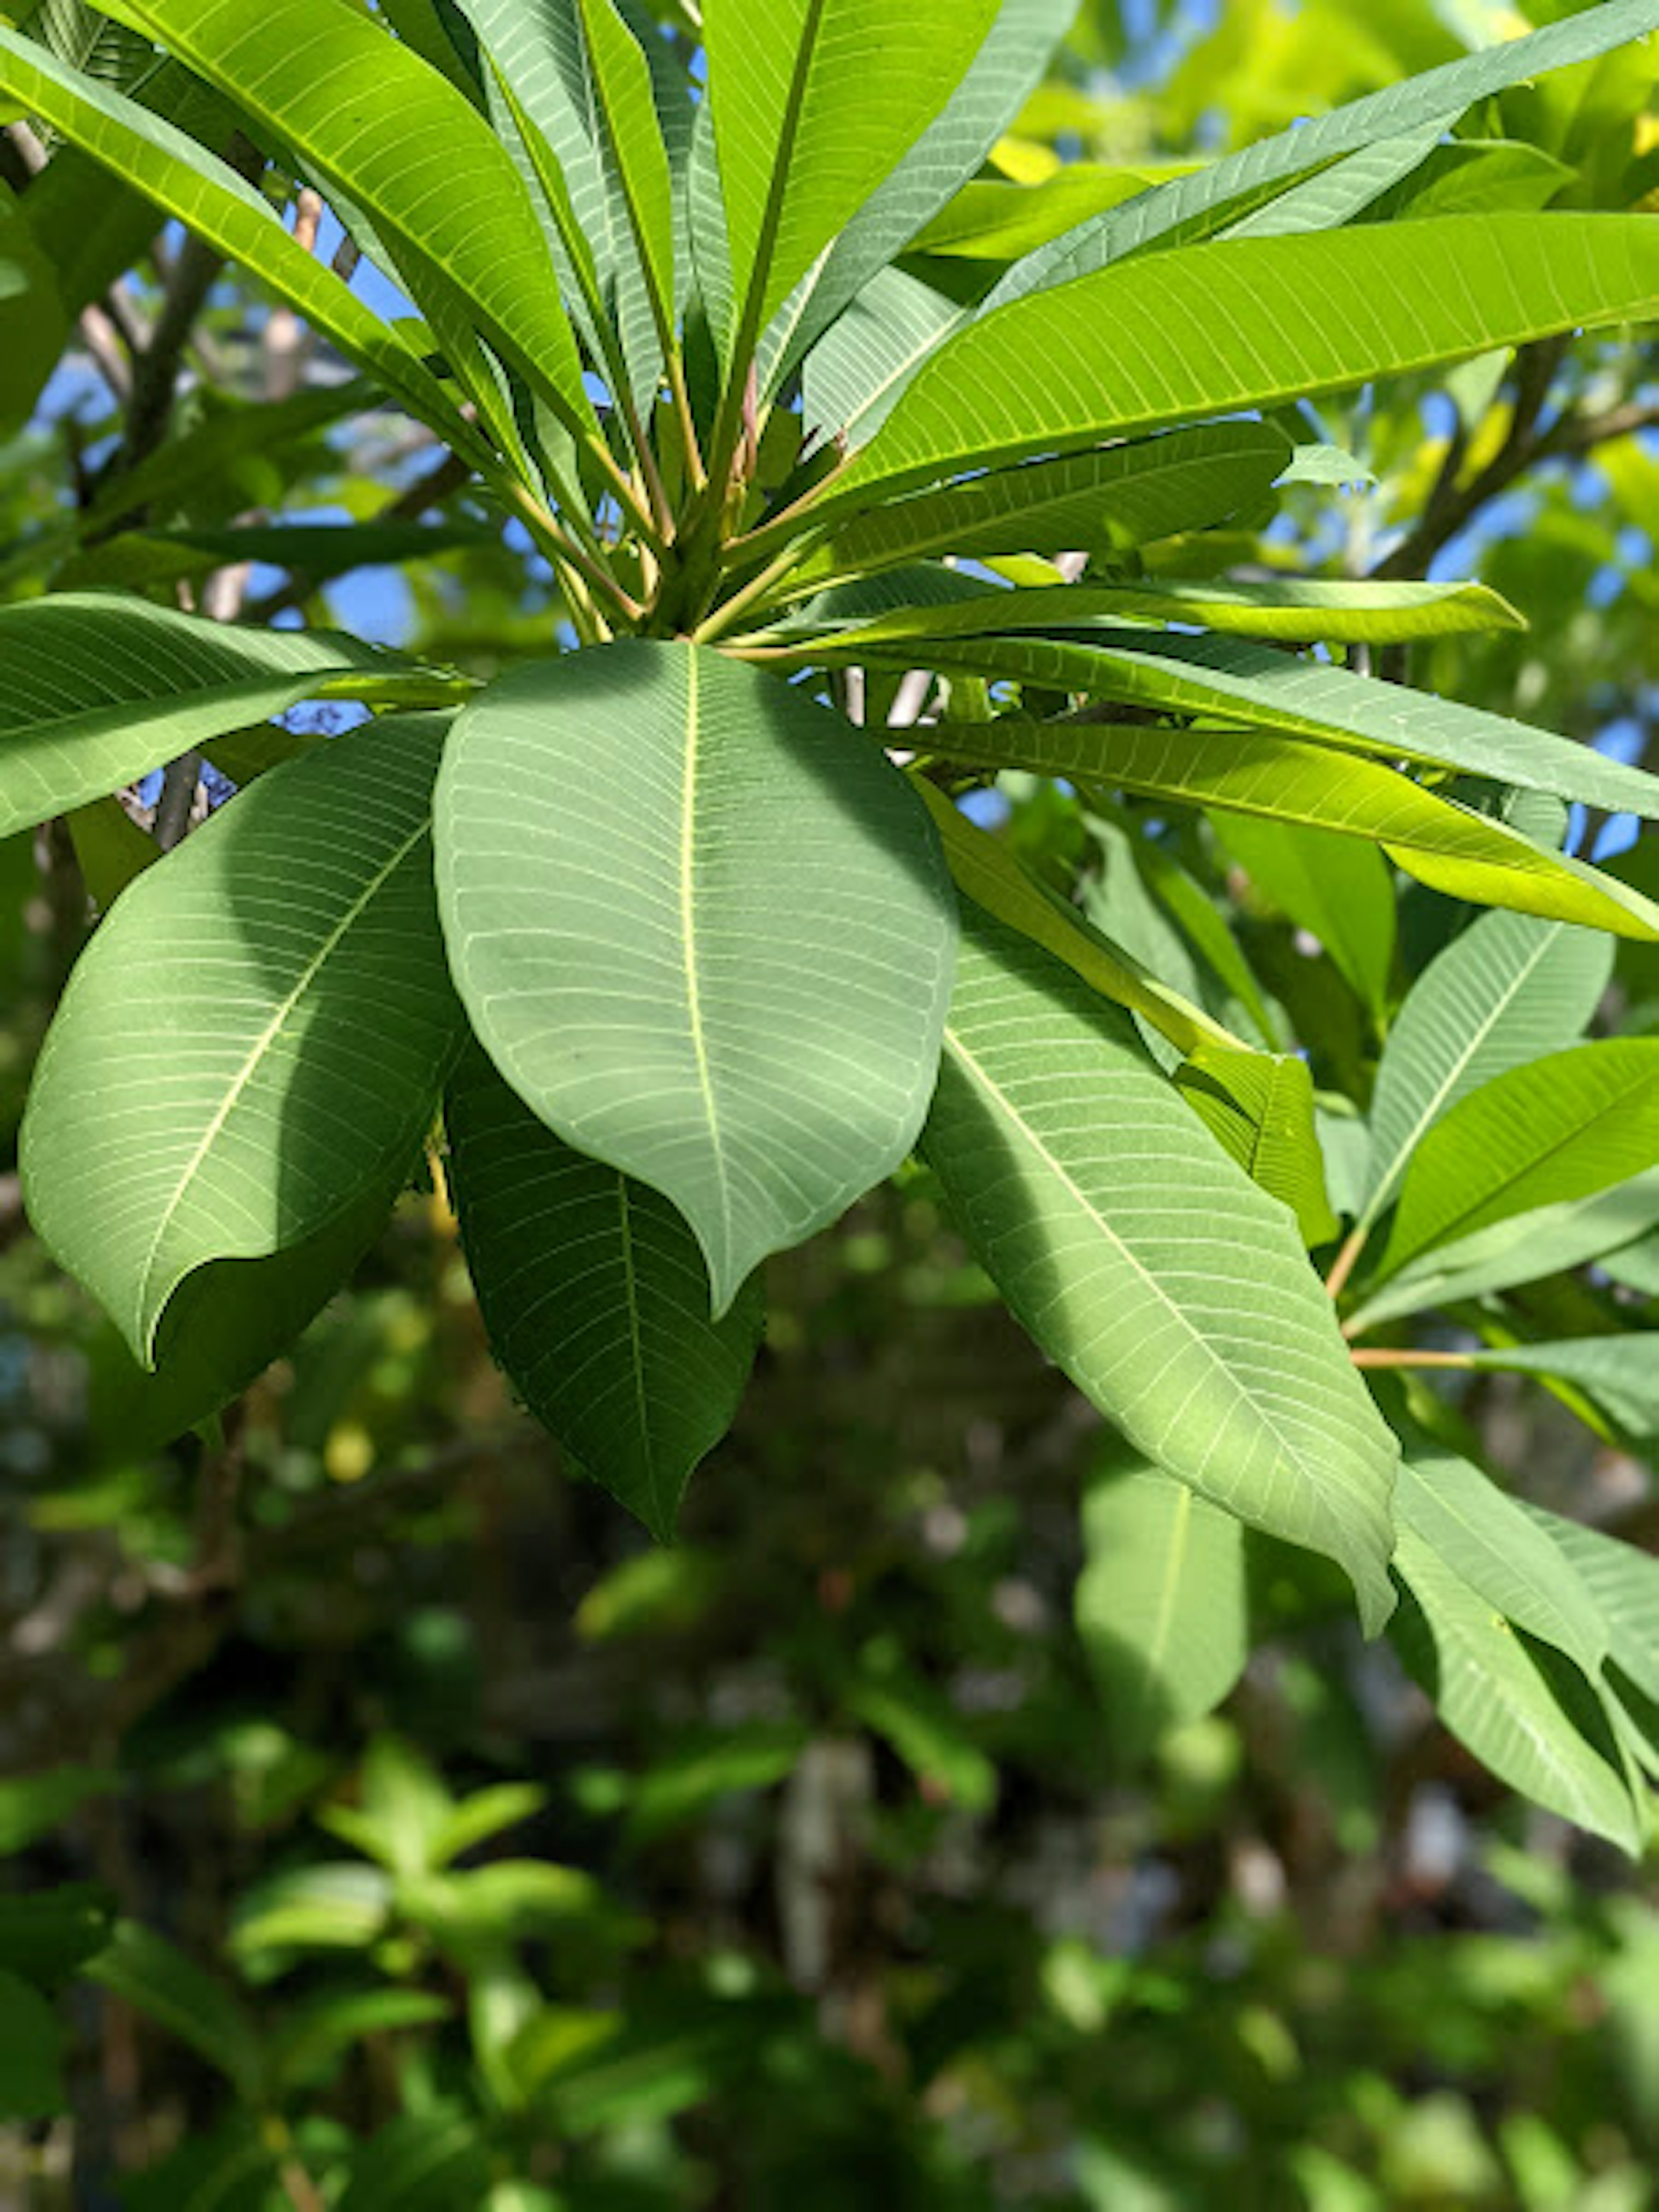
{"points": [[689, 945], [250, 1066]]}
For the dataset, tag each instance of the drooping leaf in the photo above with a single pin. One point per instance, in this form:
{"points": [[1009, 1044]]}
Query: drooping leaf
{"points": [[704, 930], [1161, 1602], [1437, 96], [1563, 1128], [1259, 1106], [1538, 1729], [1341, 894], [814, 103], [1147, 1265], [1125, 494], [365, 112], [99, 691], [595, 1298], [1509, 990], [254, 1040], [1207, 329], [1621, 1373]]}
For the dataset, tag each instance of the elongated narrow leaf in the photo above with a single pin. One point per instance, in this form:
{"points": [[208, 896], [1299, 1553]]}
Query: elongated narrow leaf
{"points": [[1564, 1128], [702, 928], [1496, 1694], [160, 1982], [1437, 96], [1147, 1265], [181, 179], [596, 1299], [853, 377], [1008, 65], [1204, 330], [814, 102], [1127, 494], [1260, 1107], [254, 1039], [1286, 779], [1337, 195], [1523, 1248], [1161, 1603], [1339, 894], [1621, 1373], [1231, 681], [366, 112], [1625, 1584], [1509, 989], [634, 136], [1296, 612], [992, 220], [99, 691]]}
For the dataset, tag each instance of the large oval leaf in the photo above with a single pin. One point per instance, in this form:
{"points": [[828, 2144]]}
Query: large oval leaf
{"points": [[703, 928], [255, 1038], [1147, 1263], [1204, 330], [596, 1299]]}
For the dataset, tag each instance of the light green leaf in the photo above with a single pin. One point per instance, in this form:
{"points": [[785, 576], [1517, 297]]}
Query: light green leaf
{"points": [[100, 689], [814, 103], [1341, 893], [1499, 1696], [1295, 611], [1625, 1584], [147, 152], [634, 136], [1437, 96], [1147, 1265], [365, 112], [1260, 1107], [1621, 1373], [992, 220], [1563, 1128], [1523, 1248], [312, 2041], [1205, 329], [1230, 681], [596, 1299], [1287, 781], [254, 1040], [855, 373], [1124, 496], [1161, 1603], [1509, 990], [704, 930], [1337, 195], [1007, 66], [935, 1740]]}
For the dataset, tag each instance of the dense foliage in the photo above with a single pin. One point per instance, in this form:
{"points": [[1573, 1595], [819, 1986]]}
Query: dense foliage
{"points": [[928, 684]]}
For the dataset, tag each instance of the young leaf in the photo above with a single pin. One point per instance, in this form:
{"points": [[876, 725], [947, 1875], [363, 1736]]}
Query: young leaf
{"points": [[99, 691], [1147, 1265], [254, 1040], [596, 1299], [814, 102], [704, 930], [1205, 329], [1559, 1128], [1161, 1603], [1439, 96], [1508, 990]]}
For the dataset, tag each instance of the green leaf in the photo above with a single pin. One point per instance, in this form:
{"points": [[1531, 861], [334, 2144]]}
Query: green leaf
{"points": [[1230, 681], [1522, 1249], [149, 152], [485, 1814], [404, 1809], [1624, 1582], [427, 2161], [1147, 1265], [99, 691], [33, 325], [254, 1040], [853, 375], [155, 1977], [1294, 610], [365, 113], [1563, 1128], [1260, 1108], [814, 103], [1206, 329], [306, 2050], [1439, 96], [317, 551], [1538, 1729], [47, 1935], [1343, 895], [32, 1805], [596, 1299], [1288, 780], [1621, 1373], [623, 84], [703, 928], [1337, 195], [1161, 1604], [934, 1739], [32, 2040], [1507, 991], [1127, 494]]}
